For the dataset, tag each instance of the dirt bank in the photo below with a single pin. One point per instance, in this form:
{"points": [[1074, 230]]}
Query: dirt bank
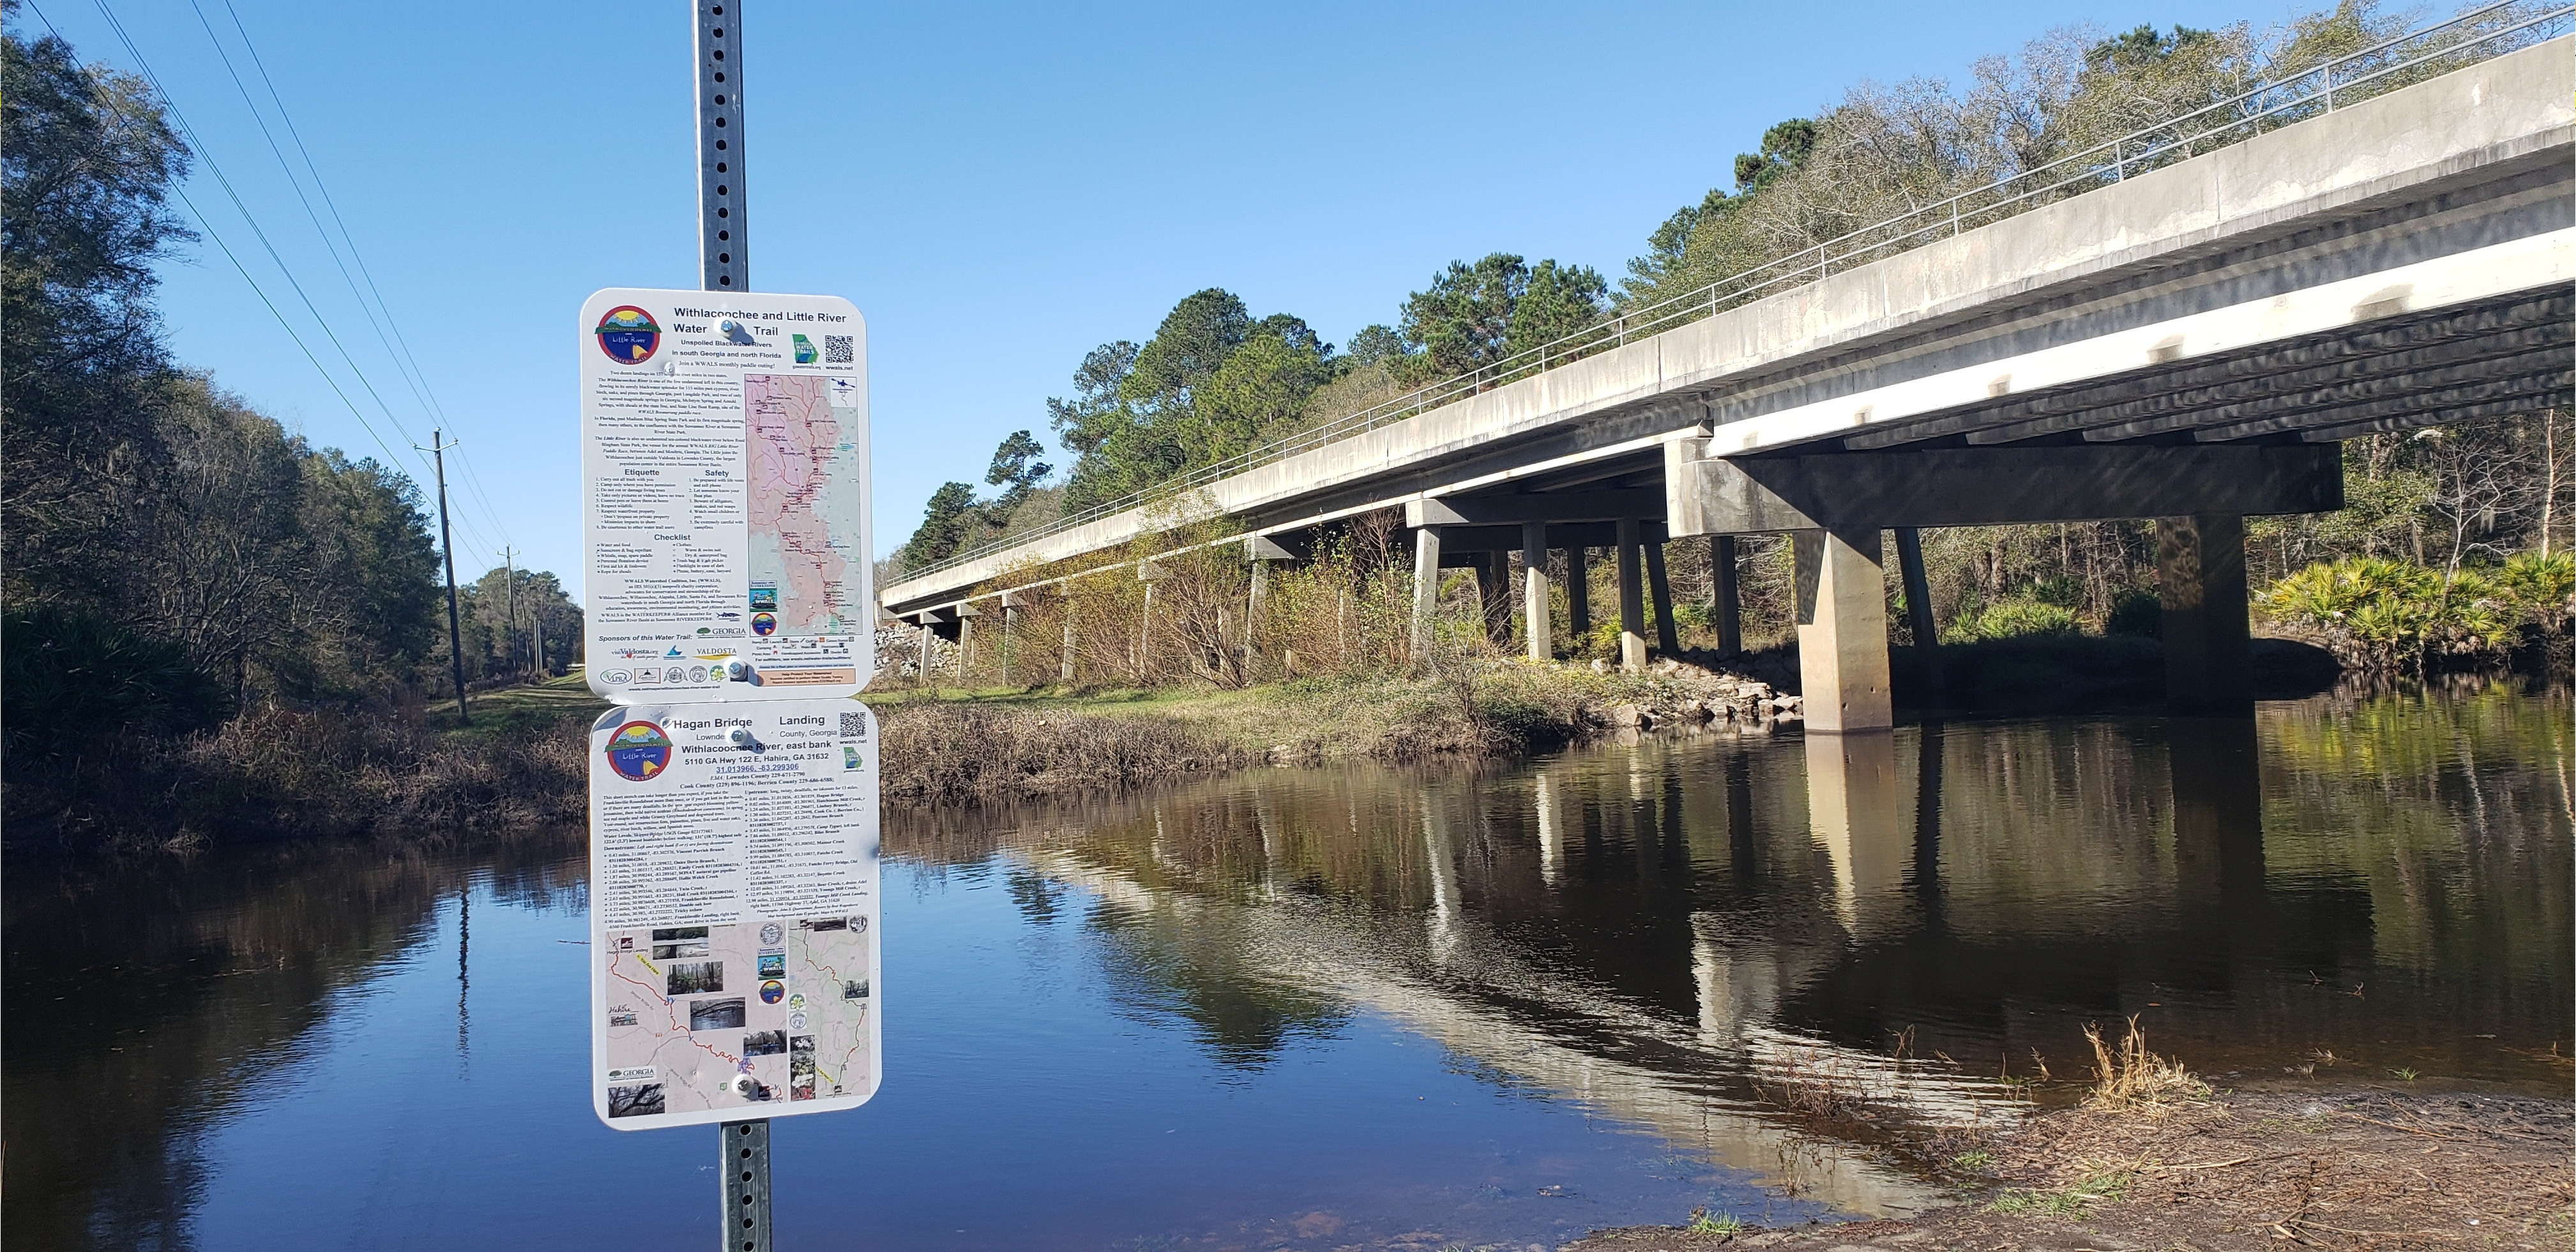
{"points": [[2361, 1170]]}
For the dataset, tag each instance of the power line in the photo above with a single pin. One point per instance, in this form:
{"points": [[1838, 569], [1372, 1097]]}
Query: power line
{"points": [[208, 227], [397, 346], [252, 220]]}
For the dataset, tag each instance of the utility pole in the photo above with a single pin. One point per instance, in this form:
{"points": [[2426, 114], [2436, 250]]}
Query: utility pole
{"points": [[455, 646], [510, 571], [724, 264]]}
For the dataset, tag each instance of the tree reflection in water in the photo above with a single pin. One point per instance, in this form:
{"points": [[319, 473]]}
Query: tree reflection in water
{"points": [[1655, 927]]}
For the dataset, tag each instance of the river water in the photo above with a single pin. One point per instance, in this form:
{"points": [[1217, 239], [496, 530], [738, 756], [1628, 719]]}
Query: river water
{"points": [[1421, 1007]]}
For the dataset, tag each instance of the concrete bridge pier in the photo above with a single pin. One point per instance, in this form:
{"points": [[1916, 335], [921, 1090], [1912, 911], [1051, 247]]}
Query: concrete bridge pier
{"points": [[1426, 590], [1064, 673], [1660, 591], [1494, 596], [1842, 630], [1535, 609], [2200, 576], [1727, 607], [1632, 600], [1011, 603], [1578, 592], [1835, 505]]}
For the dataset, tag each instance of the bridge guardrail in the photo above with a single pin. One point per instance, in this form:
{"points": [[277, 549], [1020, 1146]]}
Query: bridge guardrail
{"points": [[2425, 52]]}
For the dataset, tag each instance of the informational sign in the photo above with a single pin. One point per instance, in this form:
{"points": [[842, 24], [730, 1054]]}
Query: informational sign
{"points": [[733, 911], [725, 496]]}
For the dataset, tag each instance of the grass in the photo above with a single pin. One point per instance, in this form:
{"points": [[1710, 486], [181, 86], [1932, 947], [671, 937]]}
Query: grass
{"points": [[1704, 1222], [2132, 1078], [534, 706], [1973, 1161], [949, 744], [2108, 1186]]}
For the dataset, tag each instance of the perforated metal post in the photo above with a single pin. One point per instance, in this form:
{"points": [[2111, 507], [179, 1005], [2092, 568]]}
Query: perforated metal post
{"points": [[724, 256], [746, 1186], [724, 264]]}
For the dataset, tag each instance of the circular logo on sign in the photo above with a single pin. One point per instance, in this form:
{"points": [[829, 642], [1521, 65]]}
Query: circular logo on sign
{"points": [[772, 932], [697, 673], [764, 623], [796, 1021], [772, 991], [617, 678], [638, 751], [628, 335]]}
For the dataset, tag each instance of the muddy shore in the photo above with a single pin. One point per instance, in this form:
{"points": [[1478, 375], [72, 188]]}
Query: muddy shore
{"points": [[2359, 1169]]}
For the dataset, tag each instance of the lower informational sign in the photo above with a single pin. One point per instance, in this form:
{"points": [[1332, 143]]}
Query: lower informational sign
{"points": [[733, 911]]}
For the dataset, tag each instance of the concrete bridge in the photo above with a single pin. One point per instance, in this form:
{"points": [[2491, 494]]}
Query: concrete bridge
{"points": [[2189, 343]]}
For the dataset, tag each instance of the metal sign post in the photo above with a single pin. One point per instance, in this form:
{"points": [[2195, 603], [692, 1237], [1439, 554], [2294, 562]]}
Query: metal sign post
{"points": [[724, 264], [733, 790]]}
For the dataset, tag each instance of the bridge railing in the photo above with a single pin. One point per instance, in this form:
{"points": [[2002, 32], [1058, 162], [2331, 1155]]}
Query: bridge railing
{"points": [[2425, 52]]}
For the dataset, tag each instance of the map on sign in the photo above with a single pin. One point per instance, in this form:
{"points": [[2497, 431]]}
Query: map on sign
{"points": [[804, 466], [725, 496], [711, 1019], [734, 910]]}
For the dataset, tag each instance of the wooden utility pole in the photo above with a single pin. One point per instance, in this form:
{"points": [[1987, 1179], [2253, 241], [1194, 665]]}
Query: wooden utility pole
{"points": [[447, 545], [510, 571]]}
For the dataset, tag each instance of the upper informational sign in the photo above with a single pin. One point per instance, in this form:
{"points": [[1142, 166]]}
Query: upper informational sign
{"points": [[725, 496], [733, 911]]}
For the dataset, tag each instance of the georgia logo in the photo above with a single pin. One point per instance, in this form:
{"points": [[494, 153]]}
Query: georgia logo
{"points": [[628, 335], [638, 751]]}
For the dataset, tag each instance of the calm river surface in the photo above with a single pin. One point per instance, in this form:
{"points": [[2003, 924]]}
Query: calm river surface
{"points": [[1334, 1007]]}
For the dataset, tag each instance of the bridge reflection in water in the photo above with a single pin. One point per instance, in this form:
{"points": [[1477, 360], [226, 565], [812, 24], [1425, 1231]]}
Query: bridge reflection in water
{"points": [[1679, 931]]}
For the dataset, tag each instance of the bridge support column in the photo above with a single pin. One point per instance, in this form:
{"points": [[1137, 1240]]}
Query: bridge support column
{"points": [[1010, 629], [1494, 595], [1667, 639], [1064, 674], [1578, 593], [2200, 575], [1426, 590], [1727, 610], [1842, 630], [1632, 600], [924, 668], [1252, 614], [1918, 599], [966, 615], [1534, 598]]}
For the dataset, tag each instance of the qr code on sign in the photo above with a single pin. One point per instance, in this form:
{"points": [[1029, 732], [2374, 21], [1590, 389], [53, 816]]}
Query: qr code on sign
{"points": [[854, 725], [836, 349]]}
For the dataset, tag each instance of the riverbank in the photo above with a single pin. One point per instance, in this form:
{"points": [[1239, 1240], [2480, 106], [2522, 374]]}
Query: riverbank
{"points": [[2359, 1168], [945, 746], [280, 773], [276, 773]]}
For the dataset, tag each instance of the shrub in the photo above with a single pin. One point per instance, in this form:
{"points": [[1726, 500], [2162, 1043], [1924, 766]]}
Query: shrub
{"points": [[74, 678], [2013, 619], [2136, 613], [2386, 614]]}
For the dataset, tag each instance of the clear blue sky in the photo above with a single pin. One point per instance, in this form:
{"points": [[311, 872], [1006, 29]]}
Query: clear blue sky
{"points": [[999, 188]]}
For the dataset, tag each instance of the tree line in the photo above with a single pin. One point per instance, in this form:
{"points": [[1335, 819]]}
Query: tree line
{"points": [[174, 557]]}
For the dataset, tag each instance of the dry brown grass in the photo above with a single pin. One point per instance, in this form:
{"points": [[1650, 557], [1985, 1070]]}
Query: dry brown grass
{"points": [[2129, 1077], [275, 772], [945, 753]]}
